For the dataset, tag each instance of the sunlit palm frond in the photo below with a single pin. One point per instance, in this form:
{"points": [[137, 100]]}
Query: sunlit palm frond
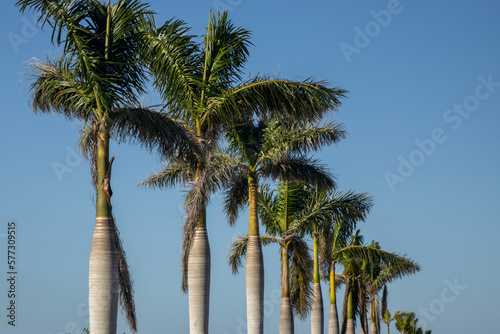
{"points": [[298, 168], [282, 138], [270, 97], [175, 63], [226, 52], [55, 88]]}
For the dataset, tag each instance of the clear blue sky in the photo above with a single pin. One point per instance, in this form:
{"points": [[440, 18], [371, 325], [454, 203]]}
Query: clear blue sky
{"points": [[422, 116]]}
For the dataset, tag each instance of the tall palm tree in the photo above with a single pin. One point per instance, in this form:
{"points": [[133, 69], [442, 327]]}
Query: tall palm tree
{"points": [[280, 211], [202, 84], [97, 80], [375, 280], [273, 149]]}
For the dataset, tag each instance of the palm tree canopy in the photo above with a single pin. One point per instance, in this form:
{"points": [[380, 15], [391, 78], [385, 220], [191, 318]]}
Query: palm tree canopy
{"points": [[99, 68]]}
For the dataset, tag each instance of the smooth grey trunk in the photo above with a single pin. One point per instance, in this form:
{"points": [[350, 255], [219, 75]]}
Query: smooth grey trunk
{"points": [[373, 328], [286, 316], [350, 326], [103, 278], [254, 272], [199, 282], [317, 316], [333, 321]]}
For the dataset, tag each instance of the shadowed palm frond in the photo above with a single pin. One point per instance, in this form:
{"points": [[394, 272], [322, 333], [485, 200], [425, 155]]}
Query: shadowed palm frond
{"points": [[125, 282], [236, 197], [238, 250], [154, 130], [301, 268], [175, 172]]}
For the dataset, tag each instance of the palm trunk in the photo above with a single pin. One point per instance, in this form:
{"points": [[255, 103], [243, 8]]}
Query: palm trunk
{"points": [[373, 327], [254, 268], [103, 263], [199, 282], [317, 316], [286, 314], [333, 323], [350, 315]]}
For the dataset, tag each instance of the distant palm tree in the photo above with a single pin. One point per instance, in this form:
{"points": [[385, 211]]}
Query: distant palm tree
{"points": [[97, 80], [356, 265], [387, 318], [377, 276], [406, 323], [202, 84]]}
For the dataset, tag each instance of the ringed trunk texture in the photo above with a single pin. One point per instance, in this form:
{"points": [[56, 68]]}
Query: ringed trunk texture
{"points": [[373, 328], [286, 316], [317, 317], [254, 272], [333, 321], [199, 282], [103, 278], [350, 326]]}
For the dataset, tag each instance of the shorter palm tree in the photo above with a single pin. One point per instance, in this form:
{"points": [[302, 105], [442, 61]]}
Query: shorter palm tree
{"points": [[406, 323]]}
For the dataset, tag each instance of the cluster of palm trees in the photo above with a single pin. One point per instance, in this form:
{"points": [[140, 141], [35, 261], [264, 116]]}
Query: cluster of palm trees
{"points": [[269, 127]]}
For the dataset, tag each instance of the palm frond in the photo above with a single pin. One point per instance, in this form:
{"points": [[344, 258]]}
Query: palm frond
{"points": [[298, 168], [125, 282], [56, 88], [177, 170], [236, 197], [226, 51], [175, 63], [301, 268], [269, 97], [154, 130], [282, 138]]}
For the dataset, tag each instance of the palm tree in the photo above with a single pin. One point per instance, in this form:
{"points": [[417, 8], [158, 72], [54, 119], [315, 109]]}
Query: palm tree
{"points": [[97, 80], [280, 211], [406, 323], [325, 211], [202, 84], [387, 318], [274, 149], [376, 278], [356, 259]]}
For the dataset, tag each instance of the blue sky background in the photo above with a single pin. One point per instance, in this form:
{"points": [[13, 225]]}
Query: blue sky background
{"points": [[407, 75]]}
